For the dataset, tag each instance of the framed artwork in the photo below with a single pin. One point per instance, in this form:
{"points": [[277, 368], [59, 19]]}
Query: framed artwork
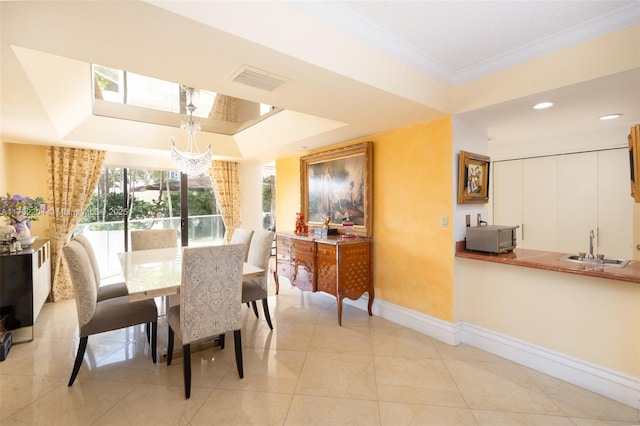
{"points": [[473, 178], [634, 161], [336, 184]]}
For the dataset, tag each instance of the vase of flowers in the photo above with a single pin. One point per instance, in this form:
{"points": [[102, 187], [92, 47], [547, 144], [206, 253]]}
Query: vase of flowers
{"points": [[20, 212]]}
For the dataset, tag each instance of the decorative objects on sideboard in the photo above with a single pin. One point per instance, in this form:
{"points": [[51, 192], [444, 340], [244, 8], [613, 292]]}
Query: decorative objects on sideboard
{"points": [[473, 178], [337, 183], [20, 212]]}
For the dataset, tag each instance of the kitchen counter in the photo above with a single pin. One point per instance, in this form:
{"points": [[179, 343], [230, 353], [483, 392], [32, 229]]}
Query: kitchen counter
{"points": [[551, 261]]}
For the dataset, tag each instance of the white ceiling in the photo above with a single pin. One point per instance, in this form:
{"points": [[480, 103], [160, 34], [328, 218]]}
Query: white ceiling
{"points": [[354, 68]]}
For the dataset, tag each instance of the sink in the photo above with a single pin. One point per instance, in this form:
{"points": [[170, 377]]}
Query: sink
{"points": [[617, 263]]}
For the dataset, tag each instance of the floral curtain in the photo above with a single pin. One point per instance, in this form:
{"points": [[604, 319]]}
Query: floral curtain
{"points": [[226, 185], [72, 176]]}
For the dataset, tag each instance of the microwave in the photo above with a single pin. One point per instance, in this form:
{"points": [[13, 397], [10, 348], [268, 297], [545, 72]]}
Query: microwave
{"points": [[491, 238]]}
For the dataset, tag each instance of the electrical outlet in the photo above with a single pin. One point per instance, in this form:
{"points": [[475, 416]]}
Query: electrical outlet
{"points": [[444, 221]]}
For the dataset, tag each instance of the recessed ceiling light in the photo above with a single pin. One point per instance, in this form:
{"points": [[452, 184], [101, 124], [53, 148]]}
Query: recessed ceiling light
{"points": [[543, 105], [610, 116]]}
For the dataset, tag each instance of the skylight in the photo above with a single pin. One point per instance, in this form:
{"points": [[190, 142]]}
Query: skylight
{"points": [[140, 95]]}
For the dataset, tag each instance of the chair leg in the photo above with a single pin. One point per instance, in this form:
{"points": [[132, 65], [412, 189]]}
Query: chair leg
{"points": [[148, 328], [221, 341], [237, 340], [265, 308], [170, 346], [255, 308], [79, 356], [186, 369], [154, 341]]}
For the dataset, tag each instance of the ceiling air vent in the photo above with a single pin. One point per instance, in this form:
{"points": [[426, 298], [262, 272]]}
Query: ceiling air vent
{"points": [[257, 78]]}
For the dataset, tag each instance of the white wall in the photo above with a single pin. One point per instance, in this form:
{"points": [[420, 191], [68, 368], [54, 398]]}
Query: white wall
{"points": [[251, 195], [470, 138]]}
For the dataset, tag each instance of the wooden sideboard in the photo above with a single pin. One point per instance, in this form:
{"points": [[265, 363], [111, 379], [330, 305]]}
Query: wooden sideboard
{"points": [[338, 266], [25, 284]]}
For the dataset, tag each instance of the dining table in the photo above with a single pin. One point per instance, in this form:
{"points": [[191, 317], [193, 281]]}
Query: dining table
{"points": [[157, 272]]}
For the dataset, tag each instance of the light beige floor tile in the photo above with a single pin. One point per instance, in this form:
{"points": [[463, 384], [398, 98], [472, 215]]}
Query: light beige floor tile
{"points": [[266, 371], [350, 314], [242, 408], [338, 375], [416, 381], [155, 405], [307, 370], [316, 410], [285, 335], [402, 342], [492, 418], [81, 404], [577, 402], [399, 414], [208, 367], [464, 352], [500, 387], [43, 357], [17, 391], [345, 339], [595, 422]]}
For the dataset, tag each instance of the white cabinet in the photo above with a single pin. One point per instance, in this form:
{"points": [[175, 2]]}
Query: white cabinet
{"points": [[507, 195], [558, 199], [540, 204], [615, 204], [577, 200]]}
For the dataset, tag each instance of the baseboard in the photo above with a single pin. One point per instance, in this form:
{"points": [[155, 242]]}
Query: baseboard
{"points": [[612, 384], [615, 385]]}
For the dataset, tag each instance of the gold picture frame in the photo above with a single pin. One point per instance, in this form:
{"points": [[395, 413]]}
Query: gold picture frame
{"points": [[473, 178], [335, 183], [634, 161]]}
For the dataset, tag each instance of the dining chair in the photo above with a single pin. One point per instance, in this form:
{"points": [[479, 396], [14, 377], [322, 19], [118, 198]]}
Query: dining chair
{"points": [[256, 289], [147, 239], [242, 236], [108, 291], [95, 316], [210, 295]]}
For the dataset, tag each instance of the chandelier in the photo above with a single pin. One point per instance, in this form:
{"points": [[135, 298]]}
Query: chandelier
{"points": [[190, 162]]}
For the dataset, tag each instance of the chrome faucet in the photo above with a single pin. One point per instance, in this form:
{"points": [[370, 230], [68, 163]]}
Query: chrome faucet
{"points": [[591, 237]]}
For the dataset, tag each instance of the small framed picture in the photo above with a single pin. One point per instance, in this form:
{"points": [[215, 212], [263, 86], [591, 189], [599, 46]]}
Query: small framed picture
{"points": [[473, 178]]}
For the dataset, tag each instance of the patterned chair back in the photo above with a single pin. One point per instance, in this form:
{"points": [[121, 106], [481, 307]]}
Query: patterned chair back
{"points": [[211, 291], [84, 241], [242, 236], [83, 281], [260, 251], [148, 239]]}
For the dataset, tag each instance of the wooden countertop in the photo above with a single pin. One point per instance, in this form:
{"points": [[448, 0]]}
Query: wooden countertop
{"points": [[551, 261]]}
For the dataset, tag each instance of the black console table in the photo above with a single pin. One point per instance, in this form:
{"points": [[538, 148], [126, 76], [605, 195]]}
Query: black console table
{"points": [[25, 284]]}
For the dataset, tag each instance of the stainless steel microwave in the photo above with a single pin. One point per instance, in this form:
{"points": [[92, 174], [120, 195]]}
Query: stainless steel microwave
{"points": [[491, 238]]}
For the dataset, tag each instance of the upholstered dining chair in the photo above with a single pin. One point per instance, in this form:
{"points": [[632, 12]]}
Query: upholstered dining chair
{"points": [[210, 294], [108, 291], [147, 239], [242, 236], [256, 289], [110, 314]]}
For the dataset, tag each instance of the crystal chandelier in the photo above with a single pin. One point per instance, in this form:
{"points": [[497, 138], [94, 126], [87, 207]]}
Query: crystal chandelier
{"points": [[190, 162]]}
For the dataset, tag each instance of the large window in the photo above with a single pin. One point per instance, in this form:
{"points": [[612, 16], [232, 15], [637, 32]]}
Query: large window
{"points": [[128, 199]]}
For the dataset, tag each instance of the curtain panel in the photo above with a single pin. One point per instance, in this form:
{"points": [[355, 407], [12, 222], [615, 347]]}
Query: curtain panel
{"points": [[72, 177], [226, 185]]}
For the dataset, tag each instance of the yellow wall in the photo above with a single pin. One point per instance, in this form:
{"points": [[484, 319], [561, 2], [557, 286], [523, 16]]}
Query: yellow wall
{"points": [[3, 168], [26, 174], [412, 191]]}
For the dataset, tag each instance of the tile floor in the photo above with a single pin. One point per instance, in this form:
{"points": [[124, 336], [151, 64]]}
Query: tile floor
{"points": [[307, 371]]}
